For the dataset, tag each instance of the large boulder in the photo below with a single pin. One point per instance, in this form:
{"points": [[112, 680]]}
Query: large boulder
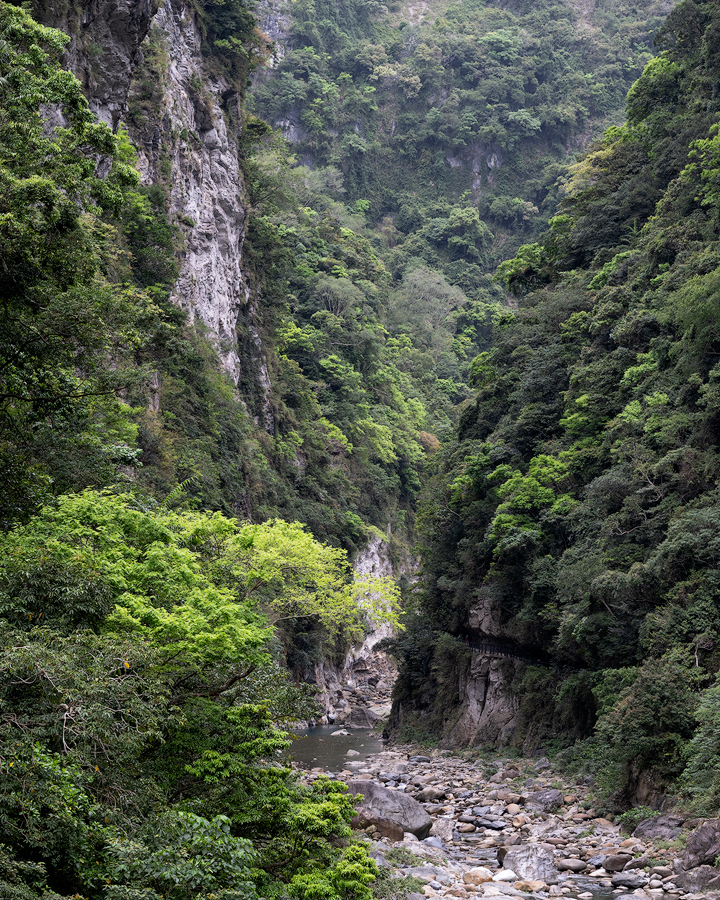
{"points": [[532, 863], [700, 879], [443, 828], [362, 717], [629, 880], [393, 805], [703, 845], [616, 862], [544, 801], [429, 793], [664, 828], [364, 817]]}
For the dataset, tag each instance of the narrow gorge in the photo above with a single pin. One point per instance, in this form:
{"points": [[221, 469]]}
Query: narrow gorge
{"points": [[358, 380]]}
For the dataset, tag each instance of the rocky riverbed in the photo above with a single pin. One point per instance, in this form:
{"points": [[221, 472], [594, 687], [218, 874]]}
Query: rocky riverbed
{"points": [[463, 830]]}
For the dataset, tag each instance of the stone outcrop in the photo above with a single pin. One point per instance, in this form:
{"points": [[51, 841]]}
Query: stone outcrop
{"points": [[665, 828], [357, 693], [703, 845], [104, 49], [193, 135], [188, 145], [394, 806], [489, 709]]}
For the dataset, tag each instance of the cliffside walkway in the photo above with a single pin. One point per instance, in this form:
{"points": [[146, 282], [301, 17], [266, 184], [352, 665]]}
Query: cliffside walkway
{"points": [[500, 651]]}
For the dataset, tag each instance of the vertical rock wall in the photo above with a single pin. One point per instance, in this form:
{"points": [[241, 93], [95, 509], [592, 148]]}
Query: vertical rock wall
{"points": [[104, 48], [357, 693], [489, 709], [190, 146]]}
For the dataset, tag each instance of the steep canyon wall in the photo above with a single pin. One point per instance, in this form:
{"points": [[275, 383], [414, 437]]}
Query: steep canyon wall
{"points": [[142, 64]]}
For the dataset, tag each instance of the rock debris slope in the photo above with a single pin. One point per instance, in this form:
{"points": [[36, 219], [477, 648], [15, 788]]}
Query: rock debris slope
{"points": [[520, 832]]}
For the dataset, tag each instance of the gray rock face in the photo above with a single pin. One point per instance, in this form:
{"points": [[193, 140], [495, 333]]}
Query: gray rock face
{"points": [[531, 863], [362, 717], [544, 801], [394, 806], [385, 827], [489, 708], [698, 879], [113, 30], [665, 828], [195, 131], [629, 880], [703, 845], [274, 19], [198, 126], [364, 663]]}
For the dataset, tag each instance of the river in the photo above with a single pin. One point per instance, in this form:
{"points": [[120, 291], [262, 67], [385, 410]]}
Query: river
{"points": [[316, 747]]}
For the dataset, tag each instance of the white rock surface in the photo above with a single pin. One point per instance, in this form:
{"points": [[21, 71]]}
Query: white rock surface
{"points": [[206, 186]]}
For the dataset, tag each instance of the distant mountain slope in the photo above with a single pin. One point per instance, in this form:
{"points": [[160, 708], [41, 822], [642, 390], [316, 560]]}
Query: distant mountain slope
{"points": [[422, 104]]}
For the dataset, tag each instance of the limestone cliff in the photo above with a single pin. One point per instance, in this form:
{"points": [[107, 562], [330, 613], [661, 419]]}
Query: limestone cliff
{"points": [[104, 48], [142, 64], [190, 144]]}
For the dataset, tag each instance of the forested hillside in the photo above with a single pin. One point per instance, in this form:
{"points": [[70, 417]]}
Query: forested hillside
{"points": [[143, 688], [576, 511], [424, 153]]}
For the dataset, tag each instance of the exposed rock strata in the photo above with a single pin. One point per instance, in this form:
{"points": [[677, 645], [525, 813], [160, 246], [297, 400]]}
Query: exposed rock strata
{"points": [[488, 712], [104, 48], [189, 145], [357, 693]]}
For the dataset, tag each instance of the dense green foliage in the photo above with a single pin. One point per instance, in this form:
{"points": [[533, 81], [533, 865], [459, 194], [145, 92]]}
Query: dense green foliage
{"points": [[428, 153], [148, 619], [141, 687], [59, 319], [367, 372], [578, 501], [141, 705], [470, 99]]}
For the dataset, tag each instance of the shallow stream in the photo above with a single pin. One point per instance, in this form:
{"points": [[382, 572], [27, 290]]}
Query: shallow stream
{"points": [[316, 747]]}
